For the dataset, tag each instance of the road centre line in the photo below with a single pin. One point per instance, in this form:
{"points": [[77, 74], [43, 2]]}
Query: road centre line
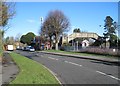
{"points": [[113, 77], [72, 63], [53, 58], [66, 61], [96, 71], [108, 75], [101, 73], [81, 65]]}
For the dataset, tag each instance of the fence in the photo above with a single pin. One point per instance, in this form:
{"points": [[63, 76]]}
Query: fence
{"points": [[95, 50]]}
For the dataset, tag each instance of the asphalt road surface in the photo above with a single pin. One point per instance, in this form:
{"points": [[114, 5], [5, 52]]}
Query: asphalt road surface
{"points": [[77, 71]]}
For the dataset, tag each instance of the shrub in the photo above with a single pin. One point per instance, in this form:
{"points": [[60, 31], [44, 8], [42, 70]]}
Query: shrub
{"points": [[103, 51]]}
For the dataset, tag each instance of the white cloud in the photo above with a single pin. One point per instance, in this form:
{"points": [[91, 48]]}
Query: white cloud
{"points": [[31, 21]]}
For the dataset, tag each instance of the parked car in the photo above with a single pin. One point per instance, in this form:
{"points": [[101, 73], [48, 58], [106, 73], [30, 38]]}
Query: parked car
{"points": [[32, 49], [24, 48]]}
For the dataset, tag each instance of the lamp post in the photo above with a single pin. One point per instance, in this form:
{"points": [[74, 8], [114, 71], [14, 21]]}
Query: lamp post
{"points": [[40, 38]]}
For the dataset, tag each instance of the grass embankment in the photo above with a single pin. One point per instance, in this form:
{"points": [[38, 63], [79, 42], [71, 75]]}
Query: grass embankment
{"points": [[81, 54], [1, 52], [0, 56], [31, 72]]}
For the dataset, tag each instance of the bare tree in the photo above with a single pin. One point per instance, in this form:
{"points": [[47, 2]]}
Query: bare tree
{"points": [[56, 22], [17, 37], [7, 11], [47, 31], [9, 40]]}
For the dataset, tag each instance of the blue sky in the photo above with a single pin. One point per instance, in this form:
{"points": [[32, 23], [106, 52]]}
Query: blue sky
{"points": [[84, 15]]}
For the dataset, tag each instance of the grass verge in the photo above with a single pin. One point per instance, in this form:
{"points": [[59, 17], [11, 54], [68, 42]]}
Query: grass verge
{"points": [[0, 56], [31, 72], [82, 54], [1, 53]]}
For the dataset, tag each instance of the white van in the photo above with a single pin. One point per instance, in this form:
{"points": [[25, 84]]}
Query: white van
{"points": [[10, 47]]}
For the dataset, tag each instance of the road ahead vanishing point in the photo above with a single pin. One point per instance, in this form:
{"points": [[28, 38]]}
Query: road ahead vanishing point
{"points": [[77, 71]]}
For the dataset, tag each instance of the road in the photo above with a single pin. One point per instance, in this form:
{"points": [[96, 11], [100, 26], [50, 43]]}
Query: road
{"points": [[77, 71]]}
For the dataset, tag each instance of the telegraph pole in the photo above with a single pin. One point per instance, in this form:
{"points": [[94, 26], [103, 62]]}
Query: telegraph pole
{"points": [[40, 39]]}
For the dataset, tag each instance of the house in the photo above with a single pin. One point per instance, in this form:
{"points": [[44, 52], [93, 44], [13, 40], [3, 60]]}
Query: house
{"points": [[40, 43], [85, 43]]}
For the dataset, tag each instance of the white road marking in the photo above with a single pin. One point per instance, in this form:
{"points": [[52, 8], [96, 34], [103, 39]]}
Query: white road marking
{"points": [[108, 75], [53, 58], [66, 61], [81, 65], [56, 59], [113, 77], [101, 73], [72, 63], [75, 64]]}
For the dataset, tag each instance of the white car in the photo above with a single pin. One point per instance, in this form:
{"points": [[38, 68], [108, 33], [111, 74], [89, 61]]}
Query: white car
{"points": [[32, 49], [28, 48]]}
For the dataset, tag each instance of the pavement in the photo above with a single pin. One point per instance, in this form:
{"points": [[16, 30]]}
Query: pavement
{"points": [[9, 69], [115, 60]]}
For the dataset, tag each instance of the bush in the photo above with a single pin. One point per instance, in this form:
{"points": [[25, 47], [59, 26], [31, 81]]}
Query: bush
{"points": [[66, 47], [103, 51], [62, 48]]}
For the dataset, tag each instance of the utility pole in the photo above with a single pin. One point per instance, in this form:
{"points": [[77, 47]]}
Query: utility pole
{"points": [[41, 19], [40, 38]]}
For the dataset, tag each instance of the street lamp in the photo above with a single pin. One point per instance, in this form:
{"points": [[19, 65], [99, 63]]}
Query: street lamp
{"points": [[40, 38]]}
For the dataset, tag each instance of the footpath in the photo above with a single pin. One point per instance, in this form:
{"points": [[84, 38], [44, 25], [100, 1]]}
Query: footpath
{"points": [[9, 69], [115, 60]]}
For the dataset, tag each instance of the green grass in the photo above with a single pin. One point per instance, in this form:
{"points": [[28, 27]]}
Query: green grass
{"points": [[31, 72], [1, 51], [78, 53], [66, 52]]}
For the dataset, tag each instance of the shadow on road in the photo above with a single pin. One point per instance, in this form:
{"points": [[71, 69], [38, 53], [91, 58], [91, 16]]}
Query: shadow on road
{"points": [[107, 63]]}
